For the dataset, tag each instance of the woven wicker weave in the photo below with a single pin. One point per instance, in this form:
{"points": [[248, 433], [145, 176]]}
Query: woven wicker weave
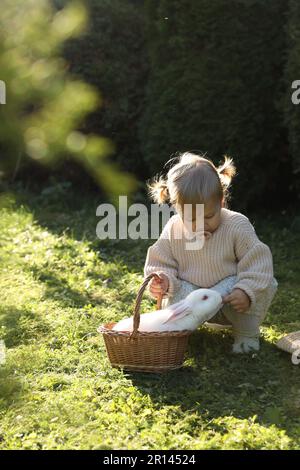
{"points": [[290, 342], [144, 351]]}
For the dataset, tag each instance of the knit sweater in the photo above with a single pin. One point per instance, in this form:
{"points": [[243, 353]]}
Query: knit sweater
{"points": [[232, 249]]}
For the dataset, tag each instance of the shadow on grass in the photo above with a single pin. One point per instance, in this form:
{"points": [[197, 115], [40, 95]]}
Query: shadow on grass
{"points": [[216, 383], [77, 218], [11, 388], [59, 289], [21, 326]]}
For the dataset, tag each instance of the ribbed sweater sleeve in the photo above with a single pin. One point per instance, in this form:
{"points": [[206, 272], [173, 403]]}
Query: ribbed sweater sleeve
{"points": [[255, 262], [160, 259]]}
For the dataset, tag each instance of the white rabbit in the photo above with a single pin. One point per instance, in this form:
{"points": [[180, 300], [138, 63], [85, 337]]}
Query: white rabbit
{"points": [[198, 307]]}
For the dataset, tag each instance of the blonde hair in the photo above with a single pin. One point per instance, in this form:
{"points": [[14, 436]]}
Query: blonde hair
{"points": [[194, 179]]}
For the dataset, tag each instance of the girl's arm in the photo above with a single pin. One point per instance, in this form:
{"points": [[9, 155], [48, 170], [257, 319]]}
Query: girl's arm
{"points": [[160, 260], [255, 262]]}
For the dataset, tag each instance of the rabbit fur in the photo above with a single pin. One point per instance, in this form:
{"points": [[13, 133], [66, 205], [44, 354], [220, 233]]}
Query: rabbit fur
{"points": [[187, 314]]}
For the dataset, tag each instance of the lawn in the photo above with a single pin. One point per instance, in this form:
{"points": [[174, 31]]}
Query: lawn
{"points": [[57, 389]]}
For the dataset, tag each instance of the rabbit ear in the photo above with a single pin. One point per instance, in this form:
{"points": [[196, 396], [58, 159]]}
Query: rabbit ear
{"points": [[178, 310]]}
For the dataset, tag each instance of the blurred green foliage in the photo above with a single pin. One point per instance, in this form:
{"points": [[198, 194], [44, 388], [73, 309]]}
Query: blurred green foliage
{"points": [[112, 56], [45, 105]]}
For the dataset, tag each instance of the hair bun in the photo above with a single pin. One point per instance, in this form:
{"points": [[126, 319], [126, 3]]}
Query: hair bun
{"points": [[163, 193], [158, 191], [226, 171]]}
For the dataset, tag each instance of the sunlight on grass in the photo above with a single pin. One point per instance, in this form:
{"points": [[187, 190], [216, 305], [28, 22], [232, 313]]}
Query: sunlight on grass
{"points": [[58, 391]]}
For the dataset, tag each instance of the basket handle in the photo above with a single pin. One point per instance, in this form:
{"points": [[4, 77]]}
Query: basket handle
{"points": [[136, 314]]}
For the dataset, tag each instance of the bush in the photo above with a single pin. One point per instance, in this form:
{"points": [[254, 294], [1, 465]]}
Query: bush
{"points": [[111, 56], [292, 111], [215, 79]]}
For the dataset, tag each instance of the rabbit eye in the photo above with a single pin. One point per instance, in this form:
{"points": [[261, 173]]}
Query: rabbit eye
{"points": [[204, 297]]}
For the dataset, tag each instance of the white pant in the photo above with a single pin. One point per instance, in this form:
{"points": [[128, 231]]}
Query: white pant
{"points": [[243, 324]]}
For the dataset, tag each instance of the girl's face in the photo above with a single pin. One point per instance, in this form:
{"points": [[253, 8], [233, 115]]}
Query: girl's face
{"points": [[212, 216]]}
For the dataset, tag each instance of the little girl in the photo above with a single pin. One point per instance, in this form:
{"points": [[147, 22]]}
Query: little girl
{"points": [[232, 259]]}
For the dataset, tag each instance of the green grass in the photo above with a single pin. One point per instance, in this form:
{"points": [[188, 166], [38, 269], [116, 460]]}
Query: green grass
{"points": [[57, 389]]}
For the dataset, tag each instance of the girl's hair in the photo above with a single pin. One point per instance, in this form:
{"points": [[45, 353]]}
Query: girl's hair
{"points": [[194, 179]]}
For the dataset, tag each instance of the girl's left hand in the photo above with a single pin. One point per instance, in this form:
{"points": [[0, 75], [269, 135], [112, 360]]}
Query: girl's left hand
{"points": [[238, 299]]}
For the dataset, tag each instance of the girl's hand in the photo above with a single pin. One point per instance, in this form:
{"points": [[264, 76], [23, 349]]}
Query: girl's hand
{"points": [[160, 286], [238, 299]]}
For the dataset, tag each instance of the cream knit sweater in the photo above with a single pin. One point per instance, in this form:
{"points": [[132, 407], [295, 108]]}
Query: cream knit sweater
{"points": [[233, 249]]}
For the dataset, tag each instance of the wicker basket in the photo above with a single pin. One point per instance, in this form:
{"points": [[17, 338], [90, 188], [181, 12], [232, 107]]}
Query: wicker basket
{"points": [[144, 351], [290, 342]]}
